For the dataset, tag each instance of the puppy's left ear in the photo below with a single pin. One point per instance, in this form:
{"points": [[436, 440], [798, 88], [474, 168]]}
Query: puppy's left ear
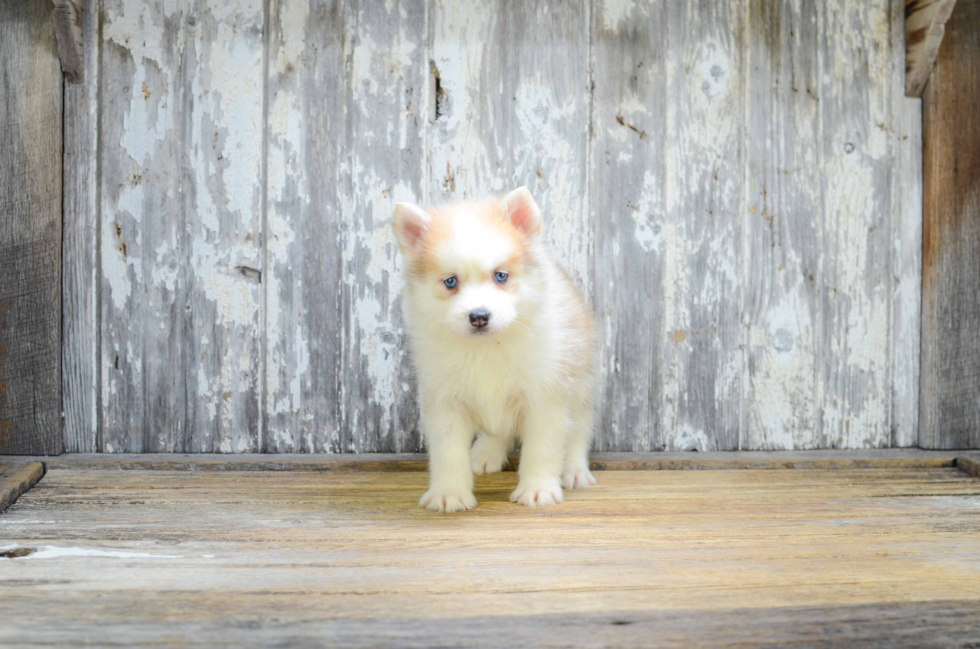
{"points": [[410, 223], [522, 210]]}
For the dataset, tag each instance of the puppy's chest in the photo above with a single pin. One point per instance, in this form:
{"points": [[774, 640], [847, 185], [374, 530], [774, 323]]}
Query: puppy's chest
{"points": [[493, 390]]}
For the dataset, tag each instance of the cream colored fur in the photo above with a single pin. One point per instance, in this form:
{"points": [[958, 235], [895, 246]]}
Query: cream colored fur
{"points": [[528, 379]]}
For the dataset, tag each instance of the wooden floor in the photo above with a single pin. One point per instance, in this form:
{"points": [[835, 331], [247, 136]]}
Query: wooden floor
{"points": [[858, 557]]}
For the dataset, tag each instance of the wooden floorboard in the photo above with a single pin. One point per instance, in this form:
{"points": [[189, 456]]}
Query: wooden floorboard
{"points": [[809, 557]]}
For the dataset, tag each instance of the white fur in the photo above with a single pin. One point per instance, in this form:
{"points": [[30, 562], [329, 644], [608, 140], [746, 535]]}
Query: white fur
{"points": [[529, 378]]}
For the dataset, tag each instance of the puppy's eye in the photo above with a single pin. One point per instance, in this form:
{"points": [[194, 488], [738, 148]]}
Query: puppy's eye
{"points": [[451, 282], [500, 276]]}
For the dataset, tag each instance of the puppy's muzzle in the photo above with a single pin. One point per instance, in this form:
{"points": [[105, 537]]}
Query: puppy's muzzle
{"points": [[479, 318]]}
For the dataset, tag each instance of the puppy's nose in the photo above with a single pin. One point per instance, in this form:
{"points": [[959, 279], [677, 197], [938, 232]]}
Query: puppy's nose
{"points": [[479, 318]]}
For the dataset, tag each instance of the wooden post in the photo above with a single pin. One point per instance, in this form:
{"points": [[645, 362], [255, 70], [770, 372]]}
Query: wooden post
{"points": [[950, 377], [30, 229]]}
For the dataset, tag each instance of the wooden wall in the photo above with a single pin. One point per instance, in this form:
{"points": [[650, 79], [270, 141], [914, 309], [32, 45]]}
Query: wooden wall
{"points": [[950, 389], [735, 185], [30, 229]]}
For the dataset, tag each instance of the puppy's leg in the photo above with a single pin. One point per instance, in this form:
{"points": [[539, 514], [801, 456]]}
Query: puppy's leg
{"points": [[577, 474], [448, 435], [542, 455], [489, 453]]}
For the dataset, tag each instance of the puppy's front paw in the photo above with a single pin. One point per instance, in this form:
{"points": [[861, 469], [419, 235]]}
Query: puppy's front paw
{"points": [[447, 500], [538, 493], [486, 456], [577, 478]]}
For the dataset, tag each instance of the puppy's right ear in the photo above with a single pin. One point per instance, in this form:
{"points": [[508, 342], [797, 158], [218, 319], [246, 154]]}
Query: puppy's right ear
{"points": [[410, 223]]}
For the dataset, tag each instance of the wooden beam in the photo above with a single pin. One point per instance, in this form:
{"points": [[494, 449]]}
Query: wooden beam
{"points": [[31, 111], [16, 480], [71, 41], [950, 347], [925, 24], [908, 458]]}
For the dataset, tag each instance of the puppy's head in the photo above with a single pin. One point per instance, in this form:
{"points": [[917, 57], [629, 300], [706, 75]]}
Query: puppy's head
{"points": [[470, 267]]}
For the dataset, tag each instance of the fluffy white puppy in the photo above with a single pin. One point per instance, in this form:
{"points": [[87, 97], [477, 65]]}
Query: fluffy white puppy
{"points": [[503, 345]]}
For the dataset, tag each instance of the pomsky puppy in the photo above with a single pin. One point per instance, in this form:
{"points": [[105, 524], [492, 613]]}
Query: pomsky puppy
{"points": [[503, 345]]}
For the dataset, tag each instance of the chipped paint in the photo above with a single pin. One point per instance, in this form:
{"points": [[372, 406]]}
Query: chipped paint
{"points": [[730, 210]]}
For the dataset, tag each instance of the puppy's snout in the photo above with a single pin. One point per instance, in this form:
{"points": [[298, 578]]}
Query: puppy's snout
{"points": [[479, 318]]}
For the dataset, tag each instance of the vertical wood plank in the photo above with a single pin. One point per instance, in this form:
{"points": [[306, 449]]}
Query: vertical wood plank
{"points": [[855, 106], [303, 276], [181, 235], [950, 379], [702, 362], [513, 109], [388, 73], [30, 230], [628, 209], [80, 350], [906, 213], [782, 224]]}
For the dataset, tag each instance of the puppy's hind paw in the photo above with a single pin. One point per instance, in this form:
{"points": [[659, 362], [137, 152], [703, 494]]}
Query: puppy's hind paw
{"points": [[443, 500], [538, 494], [486, 457], [577, 478]]}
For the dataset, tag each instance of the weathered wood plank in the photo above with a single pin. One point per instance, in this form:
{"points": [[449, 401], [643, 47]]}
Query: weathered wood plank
{"points": [[386, 120], [969, 465], [181, 231], [782, 214], [510, 107], [925, 25], [906, 214], [303, 271], [30, 230], [627, 204], [359, 462], [855, 273], [701, 558], [17, 479], [80, 357], [70, 35], [701, 366], [221, 92], [950, 373]]}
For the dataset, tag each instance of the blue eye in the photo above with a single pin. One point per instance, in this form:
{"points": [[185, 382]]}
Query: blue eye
{"points": [[500, 276], [451, 282]]}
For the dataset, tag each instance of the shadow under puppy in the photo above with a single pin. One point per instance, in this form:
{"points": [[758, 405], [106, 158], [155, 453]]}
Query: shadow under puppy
{"points": [[503, 344]]}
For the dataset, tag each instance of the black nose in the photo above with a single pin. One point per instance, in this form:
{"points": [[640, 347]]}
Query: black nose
{"points": [[479, 318]]}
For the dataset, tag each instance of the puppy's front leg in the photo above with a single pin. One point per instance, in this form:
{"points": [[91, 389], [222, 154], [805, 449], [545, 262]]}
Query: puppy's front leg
{"points": [[448, 436], [542, 454]]}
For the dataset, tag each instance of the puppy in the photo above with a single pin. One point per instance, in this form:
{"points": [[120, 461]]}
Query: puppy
{"points": [[503, 344]]}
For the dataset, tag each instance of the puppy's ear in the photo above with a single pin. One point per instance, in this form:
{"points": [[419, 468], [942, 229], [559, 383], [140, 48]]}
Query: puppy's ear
{"points": [[519, 206], [410, 224]]}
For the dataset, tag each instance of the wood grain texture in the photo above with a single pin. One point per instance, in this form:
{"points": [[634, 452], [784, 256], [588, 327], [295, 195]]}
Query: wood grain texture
{"points": [[906, 214], [969, 465], [925, 25], [644, 558], [17, 479], [855, 234], [733, 185], [80, 357], [70, 35], [386, 120], [950, 378], [303, 272], [705, 109], [30, 230], [628, 205], [181, 226], [782, 211]]}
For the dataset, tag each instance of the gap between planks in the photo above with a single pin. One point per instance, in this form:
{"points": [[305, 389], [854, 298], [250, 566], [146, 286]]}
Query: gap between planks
{"points": [[968, 461]]}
